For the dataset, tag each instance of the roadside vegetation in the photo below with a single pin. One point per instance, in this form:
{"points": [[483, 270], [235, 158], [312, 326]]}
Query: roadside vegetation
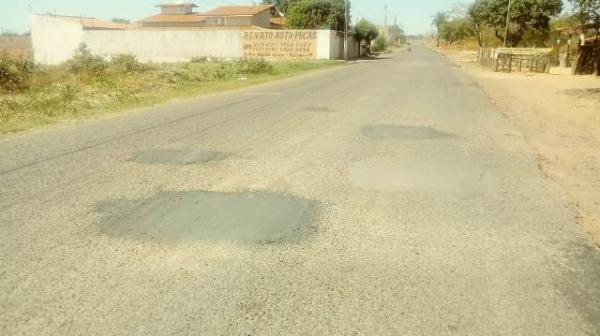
{"points": [[311, 14], [330, 14], [531, 23], [33, 95], [365, 31], [315, 14], [380, 45]]}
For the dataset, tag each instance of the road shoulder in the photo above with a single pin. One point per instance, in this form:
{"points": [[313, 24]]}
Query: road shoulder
{"points": [[558, 116]]}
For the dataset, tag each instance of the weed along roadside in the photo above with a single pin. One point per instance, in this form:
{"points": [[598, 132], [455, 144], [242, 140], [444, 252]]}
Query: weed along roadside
{"points": [[87, 85]]}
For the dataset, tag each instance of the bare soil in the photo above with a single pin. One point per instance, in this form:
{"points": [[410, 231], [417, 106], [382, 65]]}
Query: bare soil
{"points": [[560, 117], [16, 46]]}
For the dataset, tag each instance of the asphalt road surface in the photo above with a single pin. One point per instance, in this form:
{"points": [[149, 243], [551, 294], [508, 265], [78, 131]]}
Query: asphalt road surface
{"points": [[386, 197]]}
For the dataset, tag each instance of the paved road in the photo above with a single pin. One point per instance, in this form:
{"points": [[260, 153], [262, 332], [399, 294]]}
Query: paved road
{"points": [[387, 197]]}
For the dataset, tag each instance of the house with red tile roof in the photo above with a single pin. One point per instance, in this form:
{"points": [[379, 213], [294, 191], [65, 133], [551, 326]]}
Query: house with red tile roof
{"points": [[183, 16], [179, 33]]}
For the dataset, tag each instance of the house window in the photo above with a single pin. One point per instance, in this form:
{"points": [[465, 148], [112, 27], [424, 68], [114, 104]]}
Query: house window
{"points": [[220, 21]]}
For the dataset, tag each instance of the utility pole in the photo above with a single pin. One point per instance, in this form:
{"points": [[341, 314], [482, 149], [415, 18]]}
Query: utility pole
{"points": [[507, 22], [385, 18], [346, 30]]}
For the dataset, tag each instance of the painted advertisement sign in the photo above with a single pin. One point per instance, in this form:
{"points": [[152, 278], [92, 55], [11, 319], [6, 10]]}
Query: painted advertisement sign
{"points": [[280, 44]]}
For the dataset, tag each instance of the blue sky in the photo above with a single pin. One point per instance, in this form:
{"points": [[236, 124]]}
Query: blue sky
{"points": [[414, 16]]}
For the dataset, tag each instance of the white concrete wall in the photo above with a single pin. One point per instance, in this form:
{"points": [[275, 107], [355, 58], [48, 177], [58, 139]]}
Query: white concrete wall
{"points": [[330, 45], [324, 44], [353, 51], [54, 41], [165, 45], [336, 50]]}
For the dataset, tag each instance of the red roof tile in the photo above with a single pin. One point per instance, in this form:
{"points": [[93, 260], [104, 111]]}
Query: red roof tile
{"points": [[173, 18], [237, 10]]}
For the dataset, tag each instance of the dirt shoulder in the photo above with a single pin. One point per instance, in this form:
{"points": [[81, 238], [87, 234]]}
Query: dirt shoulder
{"points": [[560, 117]]}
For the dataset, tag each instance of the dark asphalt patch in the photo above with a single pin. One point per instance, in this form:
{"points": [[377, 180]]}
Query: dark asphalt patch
{"points": [[463, 84], [380, 132], [584, 93], [442, 84], [210, 216], [318, 109], [178, 157], [581, 282]]}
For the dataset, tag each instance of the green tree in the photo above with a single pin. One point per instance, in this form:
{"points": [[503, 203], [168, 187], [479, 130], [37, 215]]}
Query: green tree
{"points": [[563, 21], [381, 44], [397, 34], [587, 11], [456, 30], [281, 5], [7, 33], [122, 21], [316, 14], [365, 31], [439, 20], [526, 16]]}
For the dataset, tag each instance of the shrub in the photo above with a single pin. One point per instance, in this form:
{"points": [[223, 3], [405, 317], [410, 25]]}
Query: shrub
{"points": [[127, 63], [199, 59], [49, 100], [221, 70], [68, 92], [14, 73], [84, 63], [176, 76], [381, 44], [253, 66]]}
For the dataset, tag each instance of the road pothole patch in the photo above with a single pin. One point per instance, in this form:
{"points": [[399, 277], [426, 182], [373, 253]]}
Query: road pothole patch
{"points": [[584, 93], [318, 108], [580, 281], [463, 84], [210, 216], [382, 132], [178, 157]]}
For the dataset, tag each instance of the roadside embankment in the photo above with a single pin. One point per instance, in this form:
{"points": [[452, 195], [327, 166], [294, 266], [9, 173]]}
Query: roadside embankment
{"points": [[33, 95], [560, 118]]}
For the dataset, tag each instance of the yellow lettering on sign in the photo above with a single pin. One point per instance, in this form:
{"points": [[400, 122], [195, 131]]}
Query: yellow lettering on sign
{"points": [[280, 44]]}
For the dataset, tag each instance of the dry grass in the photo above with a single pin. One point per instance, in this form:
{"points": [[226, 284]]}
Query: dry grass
{"points": [[466, 44], [67, 92], [16, 46]]}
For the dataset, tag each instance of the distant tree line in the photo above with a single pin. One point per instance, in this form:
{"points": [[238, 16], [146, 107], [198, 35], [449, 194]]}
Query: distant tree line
{"points": [[530, 22], [121, 21], [330, 14]]}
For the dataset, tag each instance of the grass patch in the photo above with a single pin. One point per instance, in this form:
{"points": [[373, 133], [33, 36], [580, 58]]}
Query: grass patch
{"points": [[88, 86]]}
